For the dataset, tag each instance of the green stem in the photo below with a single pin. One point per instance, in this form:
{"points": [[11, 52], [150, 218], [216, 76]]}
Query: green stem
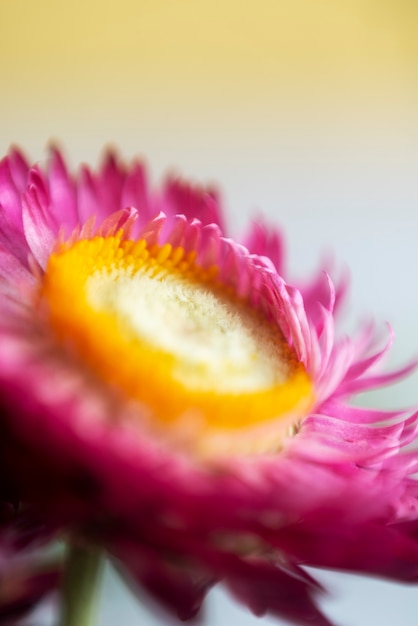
{"points": [[82, 576]]}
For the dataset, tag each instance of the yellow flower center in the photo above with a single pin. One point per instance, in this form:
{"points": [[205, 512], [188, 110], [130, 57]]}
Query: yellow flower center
{"points": [[206, 369]]}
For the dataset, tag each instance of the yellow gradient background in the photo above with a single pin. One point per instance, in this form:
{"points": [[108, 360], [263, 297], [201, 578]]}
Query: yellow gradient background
{"points": [[116, 69]]}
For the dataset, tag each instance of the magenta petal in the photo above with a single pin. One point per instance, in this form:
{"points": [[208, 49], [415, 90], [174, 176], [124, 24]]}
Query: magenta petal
{"points": [[62, 192], [152, 229], [13, 272], [181, 594], [135, 191], [10, 197], [88, 200], [11, 224], [39, 228], [110, 182], [121, 220], [268, 589], [374, 382], [179, 590], [210, 245], [372, 549], [192, 201], [266, 241], [359, 415], [356, 440], [19, 168]]}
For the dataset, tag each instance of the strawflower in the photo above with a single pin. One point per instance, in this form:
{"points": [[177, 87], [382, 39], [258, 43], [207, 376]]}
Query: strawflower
{"points": [[168, 397]]}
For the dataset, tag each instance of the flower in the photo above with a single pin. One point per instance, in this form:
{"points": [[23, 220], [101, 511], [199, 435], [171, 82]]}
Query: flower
{"points": [[166, 394]]}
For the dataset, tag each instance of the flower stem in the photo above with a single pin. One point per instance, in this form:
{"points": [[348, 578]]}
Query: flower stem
{"points": [[80, 585]]}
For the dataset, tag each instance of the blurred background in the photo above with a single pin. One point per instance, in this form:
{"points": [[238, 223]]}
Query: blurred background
{"points": [[303, 110]]}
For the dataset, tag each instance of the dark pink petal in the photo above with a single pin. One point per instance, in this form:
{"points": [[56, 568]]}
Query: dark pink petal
{"points": [[321, 296], [373, 548], [301, 335], [374, 382], [359, 415], [179, 590], [151, 231], [120, 220], [39, 227], [135, 191], [62, 192], [266, 241], [363, 365], [110, 181], [266, 588], [11, 226], [194, 202], [210, 246], [88, 197], [13, 273], [326, 340], [355, 440], [11, 198], [338, 363], [191, 238], [19, 168]]}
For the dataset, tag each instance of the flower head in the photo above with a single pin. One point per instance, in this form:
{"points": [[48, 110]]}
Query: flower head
{"points": [[167, 394]]}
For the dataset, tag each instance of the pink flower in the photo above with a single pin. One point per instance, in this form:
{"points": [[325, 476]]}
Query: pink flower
{"points": [[165, 393]]}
